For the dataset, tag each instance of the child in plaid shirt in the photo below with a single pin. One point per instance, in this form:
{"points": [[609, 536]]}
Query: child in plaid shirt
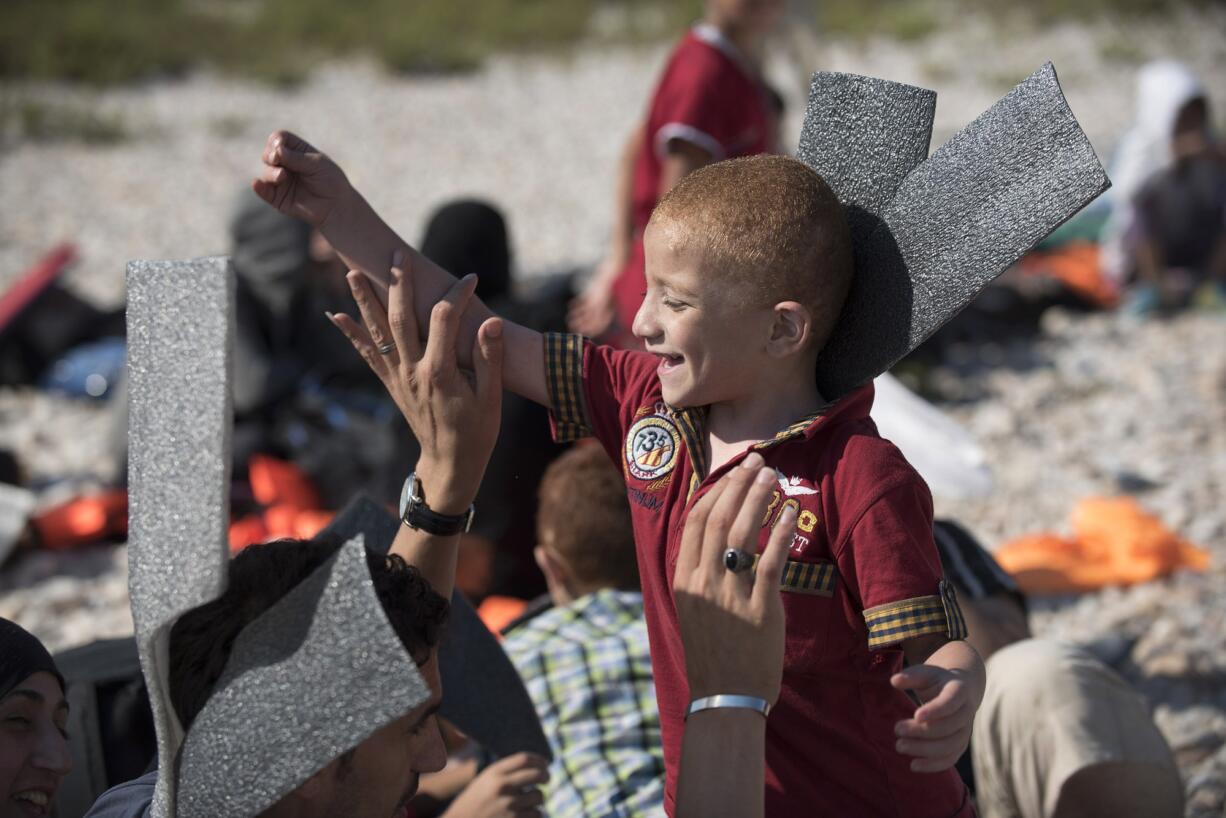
{"points": [[585, 661]]}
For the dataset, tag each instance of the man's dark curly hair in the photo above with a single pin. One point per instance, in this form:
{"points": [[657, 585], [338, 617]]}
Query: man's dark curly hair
{"points": [[201, 640]]}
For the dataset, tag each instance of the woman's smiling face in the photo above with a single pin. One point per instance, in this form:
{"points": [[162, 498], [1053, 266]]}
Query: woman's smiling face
{"points": [[34, 756]]}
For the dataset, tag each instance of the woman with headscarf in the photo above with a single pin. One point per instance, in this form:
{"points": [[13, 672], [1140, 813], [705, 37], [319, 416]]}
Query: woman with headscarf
{"points": [[34, 756], [1168, 187]]}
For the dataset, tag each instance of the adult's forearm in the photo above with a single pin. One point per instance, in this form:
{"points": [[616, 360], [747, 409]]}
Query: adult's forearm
{"points": [[723, 765]]}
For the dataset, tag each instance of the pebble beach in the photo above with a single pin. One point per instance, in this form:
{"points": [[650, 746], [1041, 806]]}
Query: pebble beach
{"points": [[1106, 398]]}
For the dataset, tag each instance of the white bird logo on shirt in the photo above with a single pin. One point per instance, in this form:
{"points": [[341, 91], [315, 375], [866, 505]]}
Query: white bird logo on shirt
{"points": [[791, 485]]}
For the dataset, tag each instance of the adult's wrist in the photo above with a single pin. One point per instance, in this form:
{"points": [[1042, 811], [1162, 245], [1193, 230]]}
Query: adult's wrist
{"points": [[444, 492], [728, 701]]}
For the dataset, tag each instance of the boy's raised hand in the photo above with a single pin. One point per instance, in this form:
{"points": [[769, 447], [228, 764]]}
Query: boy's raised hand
{"points": [[300, 181], [940, 730]]}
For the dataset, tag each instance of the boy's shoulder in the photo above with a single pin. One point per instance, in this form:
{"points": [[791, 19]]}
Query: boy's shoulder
{"points": [[855, 463]]}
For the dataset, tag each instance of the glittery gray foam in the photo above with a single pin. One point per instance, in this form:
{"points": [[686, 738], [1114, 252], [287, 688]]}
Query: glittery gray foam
{"points": [[863, 136], [308, 680], [957, 221], [179, 317], [485, 696]]}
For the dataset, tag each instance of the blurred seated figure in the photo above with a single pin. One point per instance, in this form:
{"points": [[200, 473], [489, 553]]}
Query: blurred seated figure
{"points": [[301, 393], [471, 236], [1167, 229], [585, 661], [1059, 734], [34, 754]]}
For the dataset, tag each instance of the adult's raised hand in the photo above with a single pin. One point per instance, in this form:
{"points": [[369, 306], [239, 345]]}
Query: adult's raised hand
{"points": [[732, 623], [453, 412]]}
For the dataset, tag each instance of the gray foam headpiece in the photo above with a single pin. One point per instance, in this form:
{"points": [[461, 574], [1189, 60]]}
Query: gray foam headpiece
{"points": [[484, 694], [258, 737], [928, 235]]}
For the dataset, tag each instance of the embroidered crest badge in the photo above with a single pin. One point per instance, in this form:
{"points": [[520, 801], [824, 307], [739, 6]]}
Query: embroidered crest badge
{"points": [[651, 447]]}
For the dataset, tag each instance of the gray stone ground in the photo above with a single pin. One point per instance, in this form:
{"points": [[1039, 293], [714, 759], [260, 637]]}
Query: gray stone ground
{"points": [[540, 136]]}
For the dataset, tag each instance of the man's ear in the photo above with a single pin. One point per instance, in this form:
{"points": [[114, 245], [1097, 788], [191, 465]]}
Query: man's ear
{"points": [[790, 330]]}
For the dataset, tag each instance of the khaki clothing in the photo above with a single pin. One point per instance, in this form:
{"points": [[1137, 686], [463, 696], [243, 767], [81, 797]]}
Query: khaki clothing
{"points": [[1052, 712]]}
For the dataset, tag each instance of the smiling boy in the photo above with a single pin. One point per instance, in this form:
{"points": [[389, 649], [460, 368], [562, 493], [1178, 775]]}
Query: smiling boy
{"points": [[748, 265]]}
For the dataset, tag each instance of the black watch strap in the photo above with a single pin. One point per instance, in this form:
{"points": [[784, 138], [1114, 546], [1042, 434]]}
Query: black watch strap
{"points": [[416, 514]]}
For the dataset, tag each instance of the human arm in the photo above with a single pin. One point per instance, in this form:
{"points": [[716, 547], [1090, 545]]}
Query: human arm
{"points": [[508, 788], [591, 313], [453, 414], [949, 678], [732, 627], [682, 158], [300, 181]]}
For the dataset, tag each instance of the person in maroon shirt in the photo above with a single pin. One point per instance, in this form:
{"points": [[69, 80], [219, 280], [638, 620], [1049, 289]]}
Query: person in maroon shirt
{"points": [[711, 104], [748, 263]]}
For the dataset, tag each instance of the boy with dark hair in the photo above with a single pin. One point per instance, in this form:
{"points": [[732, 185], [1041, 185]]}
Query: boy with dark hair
{"points": [[732, 332], [586, 661]]}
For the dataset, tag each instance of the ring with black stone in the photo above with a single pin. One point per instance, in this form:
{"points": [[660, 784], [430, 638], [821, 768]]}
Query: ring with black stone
{"points": [[737, 561]]}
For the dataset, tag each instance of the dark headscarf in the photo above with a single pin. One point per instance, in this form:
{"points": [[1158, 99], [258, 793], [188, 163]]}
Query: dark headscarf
{"points": [[21, 656], [470, 236]]}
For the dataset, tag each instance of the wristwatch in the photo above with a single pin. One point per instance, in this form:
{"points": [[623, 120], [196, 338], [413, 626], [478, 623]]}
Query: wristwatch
{"points": [[416, 514]]}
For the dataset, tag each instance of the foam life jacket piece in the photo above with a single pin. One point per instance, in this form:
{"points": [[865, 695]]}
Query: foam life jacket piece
{"points": [[326, 647], [929, 234]]}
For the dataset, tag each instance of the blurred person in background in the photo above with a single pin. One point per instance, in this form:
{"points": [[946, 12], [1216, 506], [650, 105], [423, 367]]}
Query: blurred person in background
{"points": [[1059, 733], [586, 662], [1167, 229], [34, 754], [710, 104]]}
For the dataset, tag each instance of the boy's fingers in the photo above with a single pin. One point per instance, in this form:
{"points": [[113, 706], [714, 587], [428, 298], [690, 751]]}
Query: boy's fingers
{"points": [[930, 728], [487, 359], [918, 677], [930, 748], [373, 315], [944, 705], [272, 175], [401, 318], [770, 566], [440, 352], [265, 191]]}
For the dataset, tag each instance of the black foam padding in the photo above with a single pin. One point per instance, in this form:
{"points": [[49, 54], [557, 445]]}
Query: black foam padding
{"points": [[955, 222], [483, 694]]}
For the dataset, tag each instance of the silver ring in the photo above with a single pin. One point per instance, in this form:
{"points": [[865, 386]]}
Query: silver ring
{"points": [[737, 561], [386, 349]]}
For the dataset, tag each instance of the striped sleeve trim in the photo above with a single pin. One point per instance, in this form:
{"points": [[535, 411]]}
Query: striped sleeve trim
{"points": [[899, 621], [816, 578], [564, 376]]}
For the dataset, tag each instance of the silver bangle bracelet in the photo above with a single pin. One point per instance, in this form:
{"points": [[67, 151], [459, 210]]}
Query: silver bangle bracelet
{"points": [[726, 700]]}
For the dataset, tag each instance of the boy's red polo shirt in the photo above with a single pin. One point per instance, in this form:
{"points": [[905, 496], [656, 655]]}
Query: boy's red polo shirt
{"points": [[711, 97], [862, 576]]}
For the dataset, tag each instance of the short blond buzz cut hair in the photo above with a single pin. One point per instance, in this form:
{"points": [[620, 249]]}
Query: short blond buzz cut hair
{"points": [[771, 224]]}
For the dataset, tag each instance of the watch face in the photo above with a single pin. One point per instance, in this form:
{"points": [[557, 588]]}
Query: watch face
{"points": [[404, 496]]}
